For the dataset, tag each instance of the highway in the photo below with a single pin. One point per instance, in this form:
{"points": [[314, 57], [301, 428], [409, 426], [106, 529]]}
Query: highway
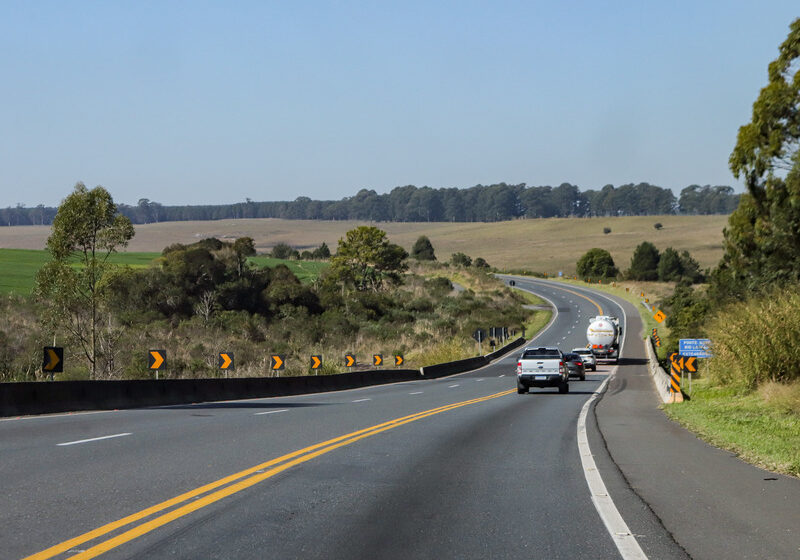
{"points": [[459, 467]]}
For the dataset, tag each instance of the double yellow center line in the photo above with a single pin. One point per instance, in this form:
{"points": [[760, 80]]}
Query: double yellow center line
{"points": [[224, 487]]}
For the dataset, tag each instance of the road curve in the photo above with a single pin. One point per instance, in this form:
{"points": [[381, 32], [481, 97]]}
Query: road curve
{"points": [[460, 467]]}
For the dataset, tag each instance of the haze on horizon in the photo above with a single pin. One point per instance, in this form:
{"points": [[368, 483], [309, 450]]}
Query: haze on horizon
{"points": [[208, 103]]}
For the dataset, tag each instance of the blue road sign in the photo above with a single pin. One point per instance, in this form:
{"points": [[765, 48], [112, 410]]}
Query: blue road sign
{"points": [[696, 347]]}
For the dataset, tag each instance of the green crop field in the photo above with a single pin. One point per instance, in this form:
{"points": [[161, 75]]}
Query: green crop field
{"points": [[18, 267]]}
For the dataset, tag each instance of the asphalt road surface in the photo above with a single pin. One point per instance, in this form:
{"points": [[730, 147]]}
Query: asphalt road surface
{"points": [[460, 467]]}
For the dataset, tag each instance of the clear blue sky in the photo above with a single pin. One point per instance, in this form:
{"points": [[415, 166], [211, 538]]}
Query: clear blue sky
{"points": [[213, 102]]}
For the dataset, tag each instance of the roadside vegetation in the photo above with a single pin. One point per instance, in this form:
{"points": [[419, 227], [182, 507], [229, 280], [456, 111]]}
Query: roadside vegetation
{"points": [[196, 300]]}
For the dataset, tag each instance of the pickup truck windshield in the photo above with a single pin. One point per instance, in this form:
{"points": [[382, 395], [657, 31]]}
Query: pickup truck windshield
{"points": [[543, 354]]}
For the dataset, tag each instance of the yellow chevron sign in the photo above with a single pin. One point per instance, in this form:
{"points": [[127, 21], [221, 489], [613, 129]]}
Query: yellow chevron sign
{"points": [[157, 359], [316, 361], [276, 362], [53, 359], [377, 359], [349, 360], [226, 360], [398, 360]]}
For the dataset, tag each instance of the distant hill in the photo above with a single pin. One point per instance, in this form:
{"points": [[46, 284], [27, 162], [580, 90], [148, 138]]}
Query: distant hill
{"points": [[492, 203], [545, 245]]}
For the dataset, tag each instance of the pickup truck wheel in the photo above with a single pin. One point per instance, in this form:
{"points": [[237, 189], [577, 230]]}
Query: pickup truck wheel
{"points": [[594, 368], [521, 389], [563, 387], [583, 377]]}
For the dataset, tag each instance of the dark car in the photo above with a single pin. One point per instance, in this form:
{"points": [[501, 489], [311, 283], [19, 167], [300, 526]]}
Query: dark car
{"points": [[575, 366]]}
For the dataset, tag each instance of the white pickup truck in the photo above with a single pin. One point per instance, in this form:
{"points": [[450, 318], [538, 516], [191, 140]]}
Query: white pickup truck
{"points": [[542, 367]]}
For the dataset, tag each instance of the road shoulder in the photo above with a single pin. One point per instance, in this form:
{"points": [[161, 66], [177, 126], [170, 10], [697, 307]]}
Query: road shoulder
{"points": [[712, 503]]}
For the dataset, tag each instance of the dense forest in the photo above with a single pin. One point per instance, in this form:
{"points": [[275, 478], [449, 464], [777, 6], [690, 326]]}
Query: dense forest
{"points": [[480, 203]]}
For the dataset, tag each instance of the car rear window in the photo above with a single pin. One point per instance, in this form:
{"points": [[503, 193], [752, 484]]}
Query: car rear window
{"points": [[541, 354]]}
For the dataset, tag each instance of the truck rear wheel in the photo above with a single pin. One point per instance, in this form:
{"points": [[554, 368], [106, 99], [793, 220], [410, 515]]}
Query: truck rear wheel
{"points": [[563, 387], [521, 389]]}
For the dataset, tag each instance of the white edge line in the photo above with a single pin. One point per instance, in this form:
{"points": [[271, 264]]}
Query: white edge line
{"points": [[454, 385], [93, 439], [626, 543], [270, 412], [361, 400], [417, 393]]}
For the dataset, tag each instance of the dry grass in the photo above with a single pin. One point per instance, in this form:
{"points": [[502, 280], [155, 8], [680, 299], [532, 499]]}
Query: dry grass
{"points": [[782, 396], [545, 245]]}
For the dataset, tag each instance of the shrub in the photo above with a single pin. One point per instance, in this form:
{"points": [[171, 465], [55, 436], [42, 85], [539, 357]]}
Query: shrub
{"points": [[423, 249], [755, 341], [606, 230], [461, 259], [282, 251], [658, 225]]}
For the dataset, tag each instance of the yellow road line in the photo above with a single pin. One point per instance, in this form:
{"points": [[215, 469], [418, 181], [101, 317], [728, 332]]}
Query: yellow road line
{"points": [[597, 305], [289, 460]]}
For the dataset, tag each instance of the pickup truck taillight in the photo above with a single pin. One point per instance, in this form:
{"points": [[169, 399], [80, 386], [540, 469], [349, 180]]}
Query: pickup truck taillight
{"points": [[519, 368]]}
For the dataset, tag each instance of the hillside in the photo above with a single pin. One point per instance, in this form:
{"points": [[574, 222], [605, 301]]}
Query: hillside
{"points": [[550, 244]]}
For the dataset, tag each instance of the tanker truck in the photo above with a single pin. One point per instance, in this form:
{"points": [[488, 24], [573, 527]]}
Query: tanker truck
{"points": [[604, 334]]}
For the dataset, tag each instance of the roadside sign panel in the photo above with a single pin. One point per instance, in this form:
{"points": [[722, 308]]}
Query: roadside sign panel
{"points": [[53, 361], [157, 359], [276, 362], [226, 360], [350, 360], [659, 316], [377, 359], [398, 359], [479, 335], [695, 347], [316, 361]]}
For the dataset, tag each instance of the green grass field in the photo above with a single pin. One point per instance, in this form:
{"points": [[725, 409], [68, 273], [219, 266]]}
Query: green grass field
{"points": [[18, 267]]}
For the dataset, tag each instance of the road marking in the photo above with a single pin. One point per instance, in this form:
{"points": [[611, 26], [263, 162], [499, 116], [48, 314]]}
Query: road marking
{"points": [[270, 412], [502, 375], [451, 386], [626, 543], [246, 479], [93, 439], [417, 393], [481, 379], [361, 400]]}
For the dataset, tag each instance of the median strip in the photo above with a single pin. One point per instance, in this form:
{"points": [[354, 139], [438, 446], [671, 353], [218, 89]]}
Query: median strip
{"points": [[232, 484]]}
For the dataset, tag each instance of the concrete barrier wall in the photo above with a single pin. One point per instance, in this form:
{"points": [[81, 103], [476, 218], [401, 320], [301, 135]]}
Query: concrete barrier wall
{"points": [[17, 399], [660, 377]]}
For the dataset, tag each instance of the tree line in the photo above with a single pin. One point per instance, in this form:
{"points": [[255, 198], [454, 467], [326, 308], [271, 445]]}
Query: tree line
{"points": [[481, 203]]}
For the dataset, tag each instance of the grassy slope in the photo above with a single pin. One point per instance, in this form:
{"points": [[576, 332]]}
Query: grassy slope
{"points": [[18, 267], [761, 434], [545, 245]]}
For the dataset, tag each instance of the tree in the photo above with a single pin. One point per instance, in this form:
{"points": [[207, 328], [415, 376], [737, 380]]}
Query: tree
{"points": [[243, 247], [644, 263], [658, 225], [366, 259], [480, 262], [423, 249], [596, 263], [282, 251], [762, 240], [606, 230], [670, 266], [461, 259], [321, 253], [87, 229]]}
